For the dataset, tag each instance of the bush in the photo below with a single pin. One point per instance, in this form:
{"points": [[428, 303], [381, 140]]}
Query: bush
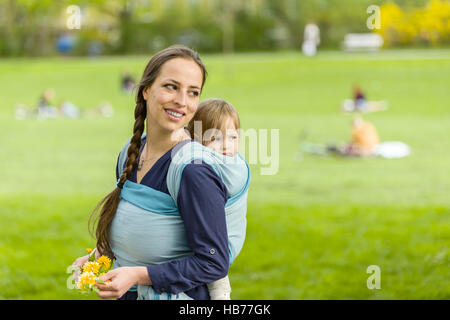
{"points": [[427, 25]]}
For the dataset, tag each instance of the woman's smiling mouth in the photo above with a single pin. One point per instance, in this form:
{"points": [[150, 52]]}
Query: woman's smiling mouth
{"points": [[174, 115]]}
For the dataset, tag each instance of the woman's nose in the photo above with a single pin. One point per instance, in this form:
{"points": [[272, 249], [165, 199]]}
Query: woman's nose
{"points": [[181, 98]]}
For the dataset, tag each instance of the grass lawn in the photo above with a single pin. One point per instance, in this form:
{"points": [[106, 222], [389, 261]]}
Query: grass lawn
{"points": [[313, 228]]}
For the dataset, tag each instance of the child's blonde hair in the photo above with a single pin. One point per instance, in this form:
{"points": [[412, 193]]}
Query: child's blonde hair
{"points": [[212, 113]]}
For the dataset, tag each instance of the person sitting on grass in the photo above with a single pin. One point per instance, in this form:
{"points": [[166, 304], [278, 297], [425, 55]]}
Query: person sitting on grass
{"points": [[364, 139], [45, 107], [127, 83], [363, 143]]}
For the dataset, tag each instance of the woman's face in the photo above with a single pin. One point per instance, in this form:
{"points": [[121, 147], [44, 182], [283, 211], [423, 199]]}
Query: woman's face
{"points": [[173, 97]]}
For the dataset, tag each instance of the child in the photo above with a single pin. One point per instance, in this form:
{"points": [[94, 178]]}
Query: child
{"points": [[215, 125]]}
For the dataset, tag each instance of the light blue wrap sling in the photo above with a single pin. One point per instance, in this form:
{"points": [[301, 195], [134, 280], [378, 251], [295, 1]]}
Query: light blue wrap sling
{"points": [[147, 228]]}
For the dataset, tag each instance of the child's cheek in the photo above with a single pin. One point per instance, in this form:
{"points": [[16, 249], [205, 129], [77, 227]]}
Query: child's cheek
{"points": [[214, 146], [236, 146]]}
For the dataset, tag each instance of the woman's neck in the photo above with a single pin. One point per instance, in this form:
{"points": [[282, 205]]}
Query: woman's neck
{"points": [[159, 142]]}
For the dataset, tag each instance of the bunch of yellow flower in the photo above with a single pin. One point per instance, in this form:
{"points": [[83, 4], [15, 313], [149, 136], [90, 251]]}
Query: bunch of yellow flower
{"points": [[90, 272]]}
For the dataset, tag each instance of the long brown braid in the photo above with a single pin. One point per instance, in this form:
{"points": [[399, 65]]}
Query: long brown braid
{"points": [[104, 212]]}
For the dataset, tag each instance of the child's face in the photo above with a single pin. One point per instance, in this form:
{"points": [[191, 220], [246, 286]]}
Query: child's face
{"points": [[225, 141]]}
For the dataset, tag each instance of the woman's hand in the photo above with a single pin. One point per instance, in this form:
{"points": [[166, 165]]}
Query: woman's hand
{"points": [[81, 261], [122, 279]]}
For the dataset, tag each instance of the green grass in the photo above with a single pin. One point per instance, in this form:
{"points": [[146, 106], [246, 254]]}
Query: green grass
{"points": [[313, 228]]}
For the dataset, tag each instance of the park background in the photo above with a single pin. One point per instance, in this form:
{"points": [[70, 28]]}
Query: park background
{"points": [[317, 224]]}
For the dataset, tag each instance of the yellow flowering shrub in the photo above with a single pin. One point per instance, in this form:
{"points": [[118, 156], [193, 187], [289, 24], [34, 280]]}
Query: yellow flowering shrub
{"points": [[392, 19], [434, 22], [430, 24]]}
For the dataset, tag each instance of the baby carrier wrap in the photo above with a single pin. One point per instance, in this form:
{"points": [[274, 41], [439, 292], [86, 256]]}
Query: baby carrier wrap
{"points": [[147, 228]]}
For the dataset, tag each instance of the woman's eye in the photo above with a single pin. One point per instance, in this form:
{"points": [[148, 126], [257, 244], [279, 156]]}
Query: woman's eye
{"points": [[171, 86], [195, 93]]}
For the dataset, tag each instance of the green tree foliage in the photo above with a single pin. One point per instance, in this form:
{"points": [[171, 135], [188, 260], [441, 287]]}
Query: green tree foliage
{"points": [[32, 27]]}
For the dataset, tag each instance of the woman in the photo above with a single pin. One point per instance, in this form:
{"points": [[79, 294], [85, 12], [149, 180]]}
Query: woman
{"points": [[167, 98]]}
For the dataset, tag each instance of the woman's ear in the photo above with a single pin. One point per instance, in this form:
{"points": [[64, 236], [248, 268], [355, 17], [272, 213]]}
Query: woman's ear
{"points": [[145, 93]]}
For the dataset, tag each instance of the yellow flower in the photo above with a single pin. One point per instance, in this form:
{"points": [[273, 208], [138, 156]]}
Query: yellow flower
{"points": [[93, 267], [105, 261], [86, 281]]}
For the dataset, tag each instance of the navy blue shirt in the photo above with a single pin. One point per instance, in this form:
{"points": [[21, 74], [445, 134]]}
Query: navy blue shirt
{"points": [[201, 203]]}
